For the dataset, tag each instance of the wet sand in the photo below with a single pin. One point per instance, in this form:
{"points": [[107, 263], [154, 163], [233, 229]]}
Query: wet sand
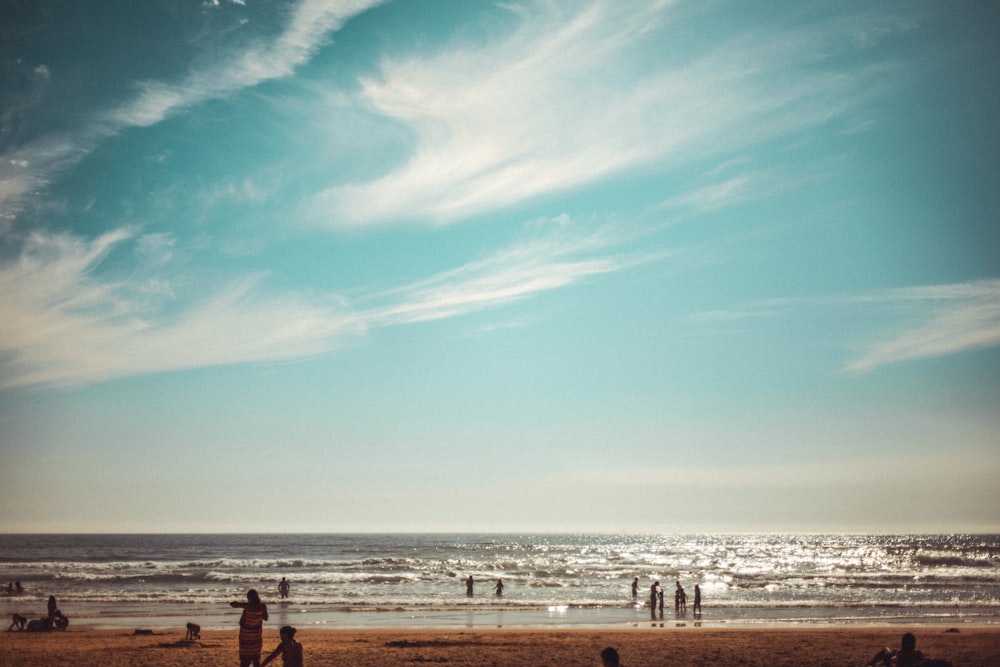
{"points": [[639, 647]]}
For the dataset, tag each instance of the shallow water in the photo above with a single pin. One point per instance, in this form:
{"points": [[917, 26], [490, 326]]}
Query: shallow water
{"points": [[419, 580]]}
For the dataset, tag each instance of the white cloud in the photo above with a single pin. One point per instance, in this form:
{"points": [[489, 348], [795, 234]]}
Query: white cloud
{"points": [[953, 318], [563, 102], [25, 170], [30, 167], [61, 324], [311, 21], [732, 191], [507, 276], [925, 322]]}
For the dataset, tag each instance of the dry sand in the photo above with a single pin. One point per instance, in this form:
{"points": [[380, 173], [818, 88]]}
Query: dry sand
{"points": [[639, 647]]}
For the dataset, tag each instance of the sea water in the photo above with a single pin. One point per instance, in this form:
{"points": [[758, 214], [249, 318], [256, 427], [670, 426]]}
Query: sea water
{"points": [[411, 580]]}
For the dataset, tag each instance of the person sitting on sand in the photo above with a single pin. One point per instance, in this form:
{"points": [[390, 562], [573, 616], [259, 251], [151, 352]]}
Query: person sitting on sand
{"points": [[290, 650], [251, 628], [906, 655], [609, 658]]}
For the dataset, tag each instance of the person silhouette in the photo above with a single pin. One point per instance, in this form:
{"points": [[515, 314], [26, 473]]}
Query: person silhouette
{"points": [[251, 628], [499, 588], [609, 658], [290, 650], [468, 586], [906, 655]]}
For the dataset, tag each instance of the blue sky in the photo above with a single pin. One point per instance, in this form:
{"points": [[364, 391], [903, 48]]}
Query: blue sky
{"points": [[511, 266]]}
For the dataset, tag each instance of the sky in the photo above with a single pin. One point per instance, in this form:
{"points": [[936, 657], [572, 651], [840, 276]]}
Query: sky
{"points": [[518, 266]]}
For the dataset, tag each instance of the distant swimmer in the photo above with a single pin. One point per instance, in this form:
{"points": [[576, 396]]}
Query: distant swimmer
{"points": [[499, 587], [468, 586], [284, 587]]}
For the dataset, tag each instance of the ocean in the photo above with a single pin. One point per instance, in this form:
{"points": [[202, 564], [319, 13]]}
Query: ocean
{"points": [[413, 580]]}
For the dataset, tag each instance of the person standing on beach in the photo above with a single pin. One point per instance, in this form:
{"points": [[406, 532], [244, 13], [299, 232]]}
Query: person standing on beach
{"points": [[635, 588], [499, 588], [697, 599], [251, 628], [468, 586], [283, 588], [654, 591]]}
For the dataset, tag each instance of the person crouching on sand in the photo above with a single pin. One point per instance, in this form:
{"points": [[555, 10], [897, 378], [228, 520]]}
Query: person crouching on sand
{"points": [[251, 628], [290, 650]]}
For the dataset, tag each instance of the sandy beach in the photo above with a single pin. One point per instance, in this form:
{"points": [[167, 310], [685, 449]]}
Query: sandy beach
{"points": [[639, 647]]}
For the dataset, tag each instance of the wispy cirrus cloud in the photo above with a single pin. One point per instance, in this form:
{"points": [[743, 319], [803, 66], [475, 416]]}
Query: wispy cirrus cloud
{"points": [[311, 22], [951, 319], [571, 97], [538, 264], [923, 322], [734, 190], [61, 324], [27, 168]]}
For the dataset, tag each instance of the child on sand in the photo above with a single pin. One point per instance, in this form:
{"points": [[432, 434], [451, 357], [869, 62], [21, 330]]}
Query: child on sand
{"points": [[290, 650]]}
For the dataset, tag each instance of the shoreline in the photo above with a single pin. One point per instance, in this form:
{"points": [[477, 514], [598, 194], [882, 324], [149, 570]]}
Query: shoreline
{"points": [[972, 646], [391, 620], [213, 617]]}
